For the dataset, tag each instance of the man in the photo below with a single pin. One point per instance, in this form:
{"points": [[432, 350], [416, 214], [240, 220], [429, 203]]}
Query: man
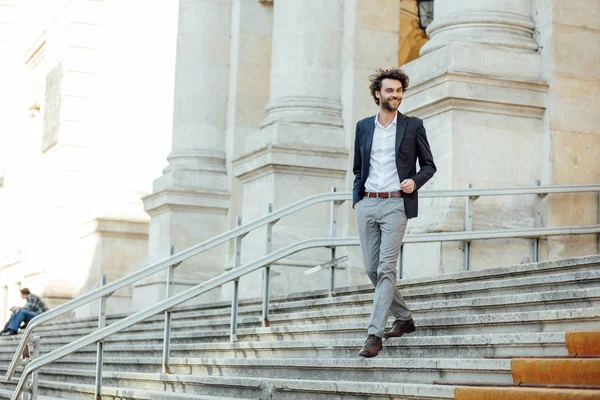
{"points": [[34, 306], [386, 182]]}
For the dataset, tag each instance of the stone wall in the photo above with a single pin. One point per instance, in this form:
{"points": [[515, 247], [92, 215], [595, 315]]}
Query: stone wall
{"points": [[568, 34]]}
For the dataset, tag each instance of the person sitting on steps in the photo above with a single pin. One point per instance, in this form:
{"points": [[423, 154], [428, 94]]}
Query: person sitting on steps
{"points": [[34, 306]]}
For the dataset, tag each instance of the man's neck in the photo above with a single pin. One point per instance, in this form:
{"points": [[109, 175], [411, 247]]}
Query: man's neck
{"points": [[386, 117]]}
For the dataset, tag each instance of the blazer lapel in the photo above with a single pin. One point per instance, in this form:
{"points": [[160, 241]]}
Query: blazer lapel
{"points": [[369, 139], [401, 124]]}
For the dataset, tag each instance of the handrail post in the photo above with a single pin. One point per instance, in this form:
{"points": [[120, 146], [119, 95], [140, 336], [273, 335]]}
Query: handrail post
{"points": [[400, 265], [468, 227], [34, 375], [100, 344], [167, 331], [335, 205], [538, 221], [236, 282], [267, 271]]}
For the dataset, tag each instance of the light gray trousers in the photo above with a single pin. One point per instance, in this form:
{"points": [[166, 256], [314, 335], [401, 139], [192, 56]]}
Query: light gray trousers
{"points": [[381, 227]]}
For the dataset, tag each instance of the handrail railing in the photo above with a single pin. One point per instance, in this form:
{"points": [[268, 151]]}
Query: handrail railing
{"points": [[163, 264], [177, 299], [101, 334], [270, 258]]}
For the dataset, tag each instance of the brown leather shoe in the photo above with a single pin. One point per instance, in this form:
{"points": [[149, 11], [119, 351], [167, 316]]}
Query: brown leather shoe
{"points": [[400, 328], [371, 347]]}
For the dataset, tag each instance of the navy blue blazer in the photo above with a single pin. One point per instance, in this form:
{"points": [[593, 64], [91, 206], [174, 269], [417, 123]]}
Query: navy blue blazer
{"points": [[411, 145]]}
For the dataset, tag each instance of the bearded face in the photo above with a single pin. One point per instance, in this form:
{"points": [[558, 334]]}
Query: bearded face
{"points": [[390, 95]]}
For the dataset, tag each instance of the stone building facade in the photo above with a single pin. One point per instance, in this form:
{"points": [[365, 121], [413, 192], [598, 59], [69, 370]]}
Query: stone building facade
{"points": [[130, 127]]}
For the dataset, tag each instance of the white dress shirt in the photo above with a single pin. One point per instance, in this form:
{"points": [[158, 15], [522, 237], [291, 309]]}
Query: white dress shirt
{"points": [[383, 175]]}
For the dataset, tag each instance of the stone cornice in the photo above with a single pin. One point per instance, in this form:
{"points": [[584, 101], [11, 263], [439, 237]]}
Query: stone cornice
{"points": [[8, 259], [476, 93], [116, 226], [187, 200], [307, 161]]}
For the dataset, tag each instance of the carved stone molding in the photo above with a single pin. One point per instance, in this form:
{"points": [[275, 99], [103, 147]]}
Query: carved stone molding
{"points": [[494, 24]]}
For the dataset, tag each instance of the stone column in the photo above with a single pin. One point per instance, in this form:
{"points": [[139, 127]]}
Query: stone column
{"points": [[299, 149], [505, 23], [305, 64], [190, 200], [479, 88]]}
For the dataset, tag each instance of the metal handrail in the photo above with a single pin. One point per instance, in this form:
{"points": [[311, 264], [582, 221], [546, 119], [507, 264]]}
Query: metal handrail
{"points": [[274, 217], [163, 264], [500, 234], [510, 191], [177, 299]]}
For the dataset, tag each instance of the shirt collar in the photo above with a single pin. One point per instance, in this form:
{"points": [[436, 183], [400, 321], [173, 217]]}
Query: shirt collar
{"points": [[381, 126]]}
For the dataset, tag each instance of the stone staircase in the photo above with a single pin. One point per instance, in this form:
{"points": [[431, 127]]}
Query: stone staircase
{"points": [[493, 327]]}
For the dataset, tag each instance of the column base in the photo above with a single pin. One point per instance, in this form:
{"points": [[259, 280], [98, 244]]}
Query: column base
{"points": [[115, 247], [152, 291], [183, 218], [281, 174], [483, 109]]}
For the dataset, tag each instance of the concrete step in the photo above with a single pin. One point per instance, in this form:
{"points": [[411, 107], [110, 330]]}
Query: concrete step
{"points": [[411, 370], [173, 385], [65, 390], [7, 394], [590, 297], [542, 277], [310, 350], [497, 287], [467, 346], [524, 322]]}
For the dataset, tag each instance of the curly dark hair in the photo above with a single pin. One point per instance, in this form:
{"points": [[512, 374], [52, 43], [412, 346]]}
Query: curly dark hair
{"points": [[381, 74]]}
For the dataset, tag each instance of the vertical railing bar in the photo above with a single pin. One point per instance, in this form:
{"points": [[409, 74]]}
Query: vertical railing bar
{"points": [[537, 210], [332, 275], [333, 233], [267, 271], [234, 300], [468, 227], [34, 375], [100, 344], [599, 221], [400, 263], [168, 315]]}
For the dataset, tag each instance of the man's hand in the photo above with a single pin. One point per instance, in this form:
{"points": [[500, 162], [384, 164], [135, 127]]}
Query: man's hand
{"points": [[353, 204], [408, 186], [14, 309]]}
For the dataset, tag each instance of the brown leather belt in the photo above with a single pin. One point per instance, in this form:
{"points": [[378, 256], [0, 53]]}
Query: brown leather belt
{"points": [[383, 195]]}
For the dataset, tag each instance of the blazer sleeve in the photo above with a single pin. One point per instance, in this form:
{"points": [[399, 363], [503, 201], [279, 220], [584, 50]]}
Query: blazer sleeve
{"points": [[426, 164], [357, 168]]}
